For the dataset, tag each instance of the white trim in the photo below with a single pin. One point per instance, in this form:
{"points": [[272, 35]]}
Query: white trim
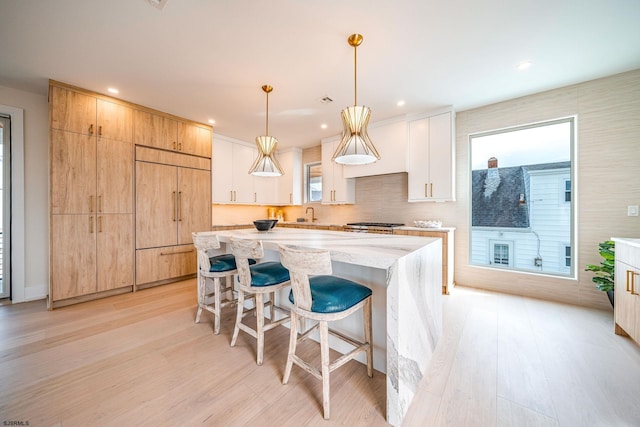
{"points": [[17, 204]]}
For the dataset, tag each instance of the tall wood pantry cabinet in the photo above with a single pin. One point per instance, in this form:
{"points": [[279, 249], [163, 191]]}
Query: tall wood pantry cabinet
{"points": [[98, 213], [91, 194]]}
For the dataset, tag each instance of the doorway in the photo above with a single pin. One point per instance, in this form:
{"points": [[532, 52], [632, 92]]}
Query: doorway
{"points": [[5, 206]]}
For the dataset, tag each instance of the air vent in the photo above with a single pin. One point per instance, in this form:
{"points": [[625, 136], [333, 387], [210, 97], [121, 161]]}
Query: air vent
{"points": [[158, 3], [326, 100]]}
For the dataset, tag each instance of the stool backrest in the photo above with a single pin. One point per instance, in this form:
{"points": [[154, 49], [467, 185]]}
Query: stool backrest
{"points": [[244, 249], [203, 241], [301, 264]]}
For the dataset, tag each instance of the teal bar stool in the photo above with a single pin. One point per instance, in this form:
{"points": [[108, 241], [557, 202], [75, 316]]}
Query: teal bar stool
{"points": [[212, 269], [323, 298], [258, 280]]}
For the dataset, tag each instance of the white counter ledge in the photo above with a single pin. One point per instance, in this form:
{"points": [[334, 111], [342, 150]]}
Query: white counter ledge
{"points": [[405, 274]]}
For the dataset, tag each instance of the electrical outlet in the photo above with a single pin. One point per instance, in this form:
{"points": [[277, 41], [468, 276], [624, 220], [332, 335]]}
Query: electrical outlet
{"points": [[632, 210]]}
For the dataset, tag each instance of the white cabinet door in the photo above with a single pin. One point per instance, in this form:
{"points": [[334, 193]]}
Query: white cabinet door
{"points": [[431, 159], [266, 190], [222, 172], [390, 139], [336, 189], [243, 158], [290, 184]]}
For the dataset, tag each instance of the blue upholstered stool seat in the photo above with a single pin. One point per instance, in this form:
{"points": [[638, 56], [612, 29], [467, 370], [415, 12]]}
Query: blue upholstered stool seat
{"points": [[226, 262], [268, 273], [333, 294]]}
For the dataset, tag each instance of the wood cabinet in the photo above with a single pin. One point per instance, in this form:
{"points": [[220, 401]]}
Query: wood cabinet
{"points": [[91, 194], [173, 199], [627, 288], [167, 133], [390, 139], [431, 158], [336, 189]]}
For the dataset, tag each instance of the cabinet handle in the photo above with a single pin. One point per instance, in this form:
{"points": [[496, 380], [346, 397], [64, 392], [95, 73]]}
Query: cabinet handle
{"points": [[91, 129], [100, 203], [426, 189], [100, 224], [91, 224], [100, 130], [235, 196], [180, 206], [633, 283], [628, 280], [255, 197], [231, 195], [176, 253], [431, 189], [179, 146], [290, 198], [173, 218], [91, 206]]}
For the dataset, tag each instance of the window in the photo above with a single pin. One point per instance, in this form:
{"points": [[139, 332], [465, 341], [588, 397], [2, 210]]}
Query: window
{"points": [[567, 190], [522, 215], [500, 254], [313, 182]]}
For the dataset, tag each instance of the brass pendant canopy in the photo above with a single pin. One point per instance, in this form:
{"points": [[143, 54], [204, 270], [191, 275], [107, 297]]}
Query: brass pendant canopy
{"points": [[356, 148], [266, 163]]}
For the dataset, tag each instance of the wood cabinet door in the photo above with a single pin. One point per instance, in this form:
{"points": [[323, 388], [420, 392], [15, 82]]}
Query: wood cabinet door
{"points": [[73, 172], [148, 129], [624, 309], [73, 256], [194, 203], [156, 205], [114, 176], [73, 111], [115, 251], [115, 121], [194, 140]]}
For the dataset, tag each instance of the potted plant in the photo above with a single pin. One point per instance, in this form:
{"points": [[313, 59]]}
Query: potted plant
{"points": [[603, 277]]}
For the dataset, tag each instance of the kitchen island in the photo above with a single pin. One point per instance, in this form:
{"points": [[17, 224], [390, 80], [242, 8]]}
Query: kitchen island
{"points": [[405, 274]]}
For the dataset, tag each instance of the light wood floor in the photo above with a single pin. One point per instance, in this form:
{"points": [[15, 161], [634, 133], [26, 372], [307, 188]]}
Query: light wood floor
{"points": [[138, 359]]}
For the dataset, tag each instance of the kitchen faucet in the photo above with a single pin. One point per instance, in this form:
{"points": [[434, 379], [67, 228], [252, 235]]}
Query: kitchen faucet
{"points": [[313, 213]]}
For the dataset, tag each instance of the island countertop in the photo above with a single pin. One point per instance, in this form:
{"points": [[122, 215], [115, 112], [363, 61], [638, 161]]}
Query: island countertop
{"points": [[365, 249], [405, 275]]}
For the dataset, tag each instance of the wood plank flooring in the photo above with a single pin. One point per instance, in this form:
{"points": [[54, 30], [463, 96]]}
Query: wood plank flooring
{"points": [[138, 359]]}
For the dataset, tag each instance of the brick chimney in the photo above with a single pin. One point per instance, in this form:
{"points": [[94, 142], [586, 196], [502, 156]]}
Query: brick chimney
{"points": [[492, 163]]}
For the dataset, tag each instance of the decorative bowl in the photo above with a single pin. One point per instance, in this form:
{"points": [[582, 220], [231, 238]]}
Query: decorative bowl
{"points": [[428, 223], [265, 224]]}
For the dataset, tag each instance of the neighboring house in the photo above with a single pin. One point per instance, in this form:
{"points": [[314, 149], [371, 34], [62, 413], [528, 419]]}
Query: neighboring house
{"points": [[521, 217]]}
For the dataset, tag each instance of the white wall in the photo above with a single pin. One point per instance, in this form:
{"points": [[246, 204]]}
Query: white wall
{"points": [[35, 282]]}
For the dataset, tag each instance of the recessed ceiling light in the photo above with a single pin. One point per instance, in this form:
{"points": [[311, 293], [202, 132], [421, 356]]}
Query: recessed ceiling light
{"points": [[211, 121], [524, 65], [113, 90], [400, 103], [323, 126]]}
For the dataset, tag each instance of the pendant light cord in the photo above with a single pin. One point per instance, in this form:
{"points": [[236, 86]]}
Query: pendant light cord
{"points": [[267, 126], [355, 76]]}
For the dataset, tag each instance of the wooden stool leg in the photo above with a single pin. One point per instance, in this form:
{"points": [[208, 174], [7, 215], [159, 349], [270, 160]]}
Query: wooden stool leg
{"points": [[236, 329], [216, 305], [368, 332], [260, 327], [201, 293], [293, 341], [324, 356]]}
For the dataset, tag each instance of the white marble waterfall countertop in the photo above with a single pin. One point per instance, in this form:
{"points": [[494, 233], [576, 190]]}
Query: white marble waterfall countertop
{"points": [[366, 249], [405, 275]]}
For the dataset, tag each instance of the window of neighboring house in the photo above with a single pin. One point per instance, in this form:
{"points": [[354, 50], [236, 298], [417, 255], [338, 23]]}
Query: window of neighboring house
{"points": [[567, 190], [501, 254], [567, 256], [518, 177]]}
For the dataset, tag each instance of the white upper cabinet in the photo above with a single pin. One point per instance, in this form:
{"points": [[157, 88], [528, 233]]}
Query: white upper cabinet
{"points": [[231, 182], [431, 156], [336, 189], [290, 184], [390, 139]]}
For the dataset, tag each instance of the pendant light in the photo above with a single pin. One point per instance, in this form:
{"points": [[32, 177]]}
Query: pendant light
{"points": [[355, 146], [266, 163]]}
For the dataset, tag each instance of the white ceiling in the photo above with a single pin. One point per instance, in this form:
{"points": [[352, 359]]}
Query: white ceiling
{"points": [[203, 59]]}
